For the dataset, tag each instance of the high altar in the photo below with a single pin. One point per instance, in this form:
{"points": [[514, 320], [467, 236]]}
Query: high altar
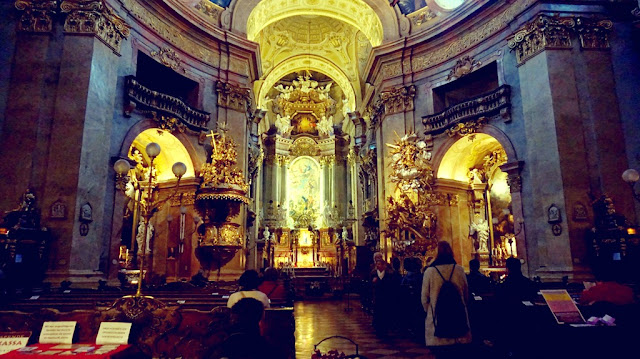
{"points": [[307, 181]]}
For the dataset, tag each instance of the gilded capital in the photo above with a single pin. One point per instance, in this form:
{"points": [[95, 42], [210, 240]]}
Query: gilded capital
{"points": [[594, 33], [399, 99], [37, 15], [93, 17], [232, 96], [328, 160], [543, 32]]}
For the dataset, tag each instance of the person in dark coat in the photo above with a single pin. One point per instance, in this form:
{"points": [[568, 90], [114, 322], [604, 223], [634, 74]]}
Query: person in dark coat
{"points": [[384, 282], [478, 282]]}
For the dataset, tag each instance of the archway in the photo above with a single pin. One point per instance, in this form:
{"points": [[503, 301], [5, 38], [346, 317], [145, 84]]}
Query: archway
{"points": [[473, 162], [159, 247]]}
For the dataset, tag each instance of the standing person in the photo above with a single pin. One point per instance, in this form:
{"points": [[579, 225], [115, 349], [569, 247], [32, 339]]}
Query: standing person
{"points": [[384, 284], [447, 326], [248, 282]]}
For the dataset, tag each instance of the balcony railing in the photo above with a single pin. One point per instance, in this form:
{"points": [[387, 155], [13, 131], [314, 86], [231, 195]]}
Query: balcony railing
{"points": [[147, 100], [487, 105]]}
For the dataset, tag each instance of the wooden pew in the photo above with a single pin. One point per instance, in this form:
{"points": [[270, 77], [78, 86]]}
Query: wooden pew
{"points": [[158, 330]]}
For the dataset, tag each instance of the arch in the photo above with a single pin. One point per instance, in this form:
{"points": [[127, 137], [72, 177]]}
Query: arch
{"points": [[486, 134], [307, 62], [385, 24], [142, 133]]}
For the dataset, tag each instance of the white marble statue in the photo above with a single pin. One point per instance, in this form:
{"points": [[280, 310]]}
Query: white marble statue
{"points": [[283, 124], [345, 234], [325, 126], [480, 228], [266, 234], [140, 237]]}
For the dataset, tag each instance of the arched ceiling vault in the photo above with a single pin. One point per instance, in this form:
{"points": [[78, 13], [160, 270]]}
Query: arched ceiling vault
{"points": [[302, 63], [375, 18]]}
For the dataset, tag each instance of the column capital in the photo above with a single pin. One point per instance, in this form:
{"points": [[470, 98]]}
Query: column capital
{"points": [[233, 96], [93, 17], [37, 16]]}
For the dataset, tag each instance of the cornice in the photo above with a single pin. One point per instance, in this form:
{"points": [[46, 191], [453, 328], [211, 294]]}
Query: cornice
{"points": [[175, 23]]}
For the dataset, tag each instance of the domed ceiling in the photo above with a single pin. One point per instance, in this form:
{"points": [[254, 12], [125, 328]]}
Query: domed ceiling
{"points": [[334, 38]]}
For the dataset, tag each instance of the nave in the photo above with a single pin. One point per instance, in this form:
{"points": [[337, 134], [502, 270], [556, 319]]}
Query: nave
{"points": [[317, 320]]}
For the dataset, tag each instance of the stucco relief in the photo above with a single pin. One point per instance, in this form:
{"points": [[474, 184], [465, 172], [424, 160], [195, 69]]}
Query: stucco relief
{"points": [[171, 33]]}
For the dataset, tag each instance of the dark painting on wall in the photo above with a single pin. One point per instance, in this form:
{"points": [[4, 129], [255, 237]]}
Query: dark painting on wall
{"points": [[223, 3], [409, 6]]}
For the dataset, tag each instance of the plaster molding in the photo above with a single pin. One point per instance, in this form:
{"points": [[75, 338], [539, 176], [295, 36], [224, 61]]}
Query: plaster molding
{"points": [[37, 15], [233, 96], [399, 99]]}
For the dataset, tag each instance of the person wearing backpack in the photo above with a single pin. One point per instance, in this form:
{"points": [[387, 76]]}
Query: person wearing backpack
{"points": [[444, 299]]}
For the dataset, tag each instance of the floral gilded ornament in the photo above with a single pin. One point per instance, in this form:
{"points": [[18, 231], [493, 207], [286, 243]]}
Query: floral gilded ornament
{"points": [[411, 223], [218, 201]]}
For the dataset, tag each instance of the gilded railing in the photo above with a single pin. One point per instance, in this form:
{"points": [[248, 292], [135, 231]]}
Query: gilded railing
{"points": [[147, 101], [490, 104]]}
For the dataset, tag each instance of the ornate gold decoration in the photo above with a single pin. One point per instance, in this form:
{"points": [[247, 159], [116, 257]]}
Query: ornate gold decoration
{"points": [[515, 182], [168, 58], [328, 160], [210, 9], [494, 103], [282, 160], [398, 100], [494, 160], [543, 32], [411, 210], [304, 107], [169, 123], [222, 171], [352, 157], [304, 146], [463, 66], [183, 199], [37, 16], [594, 33], [469, 39], [466, 128], [232, 96], [93, 17], [421, 16], [171, 33]]}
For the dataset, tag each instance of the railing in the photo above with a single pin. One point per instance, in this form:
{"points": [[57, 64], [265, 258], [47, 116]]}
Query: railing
{"points": [[482, 106], [147, 100]]}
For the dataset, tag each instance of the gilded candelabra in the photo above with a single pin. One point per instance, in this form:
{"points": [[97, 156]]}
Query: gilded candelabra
{"points": [[149, 207]]}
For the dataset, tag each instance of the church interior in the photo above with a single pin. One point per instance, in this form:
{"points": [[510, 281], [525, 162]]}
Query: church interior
{"points": [[148, 145]]}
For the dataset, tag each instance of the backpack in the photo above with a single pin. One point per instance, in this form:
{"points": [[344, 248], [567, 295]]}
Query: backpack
{"points": [[449, 315]]}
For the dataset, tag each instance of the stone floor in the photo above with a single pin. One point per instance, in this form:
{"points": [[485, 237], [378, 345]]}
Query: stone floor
{"points": [[317, 320]]}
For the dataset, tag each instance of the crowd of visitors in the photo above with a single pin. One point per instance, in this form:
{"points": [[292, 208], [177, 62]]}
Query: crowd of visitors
{"points": [[408, 305]]}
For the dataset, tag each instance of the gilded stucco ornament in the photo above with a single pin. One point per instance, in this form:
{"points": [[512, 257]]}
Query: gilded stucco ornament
{"points": [[233, 97], [37, 15], [543, 32], [399, 99], [594, 33], [168, 57], [94, 17], [463, 67], [410, 210], [466, 128], [210, 9]]}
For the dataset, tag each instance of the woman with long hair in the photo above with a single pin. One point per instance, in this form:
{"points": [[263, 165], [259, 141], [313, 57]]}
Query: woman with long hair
{"points": [[440, 336]]}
